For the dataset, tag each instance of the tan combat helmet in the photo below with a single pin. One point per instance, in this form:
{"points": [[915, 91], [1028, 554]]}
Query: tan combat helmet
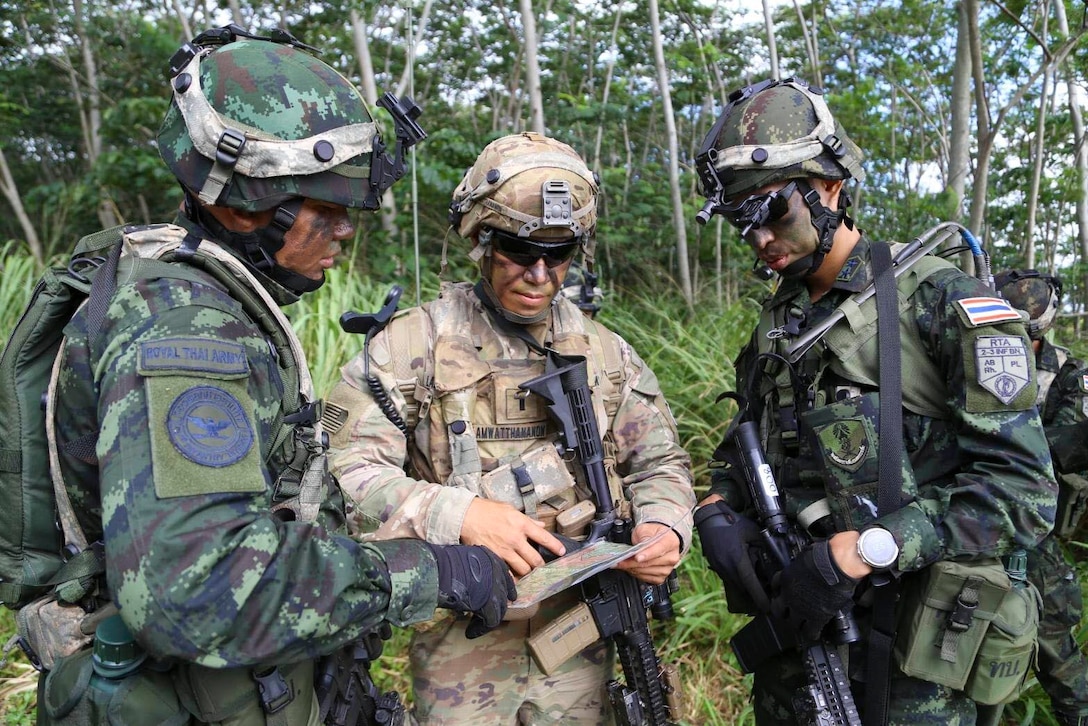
{"points": [[529, 186]]}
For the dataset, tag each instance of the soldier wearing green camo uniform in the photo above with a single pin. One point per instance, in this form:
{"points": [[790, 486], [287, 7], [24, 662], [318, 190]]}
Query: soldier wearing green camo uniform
{"points": [[979, 481], [1062, 401], [466, 456], [189, 441]]}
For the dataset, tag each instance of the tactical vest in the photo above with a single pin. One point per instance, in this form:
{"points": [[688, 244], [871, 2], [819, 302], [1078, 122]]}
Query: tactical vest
{"points": [[260, 696], [471, 425], [843, 364]]}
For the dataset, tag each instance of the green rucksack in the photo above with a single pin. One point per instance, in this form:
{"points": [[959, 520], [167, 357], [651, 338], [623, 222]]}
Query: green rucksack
{"points": [[32, 542]]}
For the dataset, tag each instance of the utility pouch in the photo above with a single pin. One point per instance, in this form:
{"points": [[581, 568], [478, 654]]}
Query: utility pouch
{"points": [[1009, 650], [1072, 503], [843, 436], [529, 479], [964, 625], [76, 694], [52, 630]]}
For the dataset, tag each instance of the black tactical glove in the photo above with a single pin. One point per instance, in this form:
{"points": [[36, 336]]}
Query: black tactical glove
{"points": [[811, 590], [473, 579], [731, 543]]}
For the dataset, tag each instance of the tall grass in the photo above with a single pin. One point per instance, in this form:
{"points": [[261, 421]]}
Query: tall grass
{"points": [[690, 351]]}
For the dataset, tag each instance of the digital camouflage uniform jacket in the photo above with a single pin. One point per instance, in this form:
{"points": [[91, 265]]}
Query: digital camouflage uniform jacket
{"points": [[179, 406], [369, 454], [983, 478]]}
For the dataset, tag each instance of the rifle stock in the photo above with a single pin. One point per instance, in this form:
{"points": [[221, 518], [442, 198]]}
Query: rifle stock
{"points": [[616, 601]]}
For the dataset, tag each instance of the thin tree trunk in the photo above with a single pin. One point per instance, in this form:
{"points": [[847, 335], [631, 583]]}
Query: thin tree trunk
{"points": [[959, 152], [1038, 152], [810, 45], [613, 51], [772, 46], [11, 193], [1076, 98], [370, 93], [186, 28], [532, 68], [674, 168]]}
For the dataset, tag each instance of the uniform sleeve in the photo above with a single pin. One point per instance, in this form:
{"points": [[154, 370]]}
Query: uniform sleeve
{"points": [[1071, 405], [1068, 408], [199, 567], [369, 454], [1002, 494], [655, 468]]}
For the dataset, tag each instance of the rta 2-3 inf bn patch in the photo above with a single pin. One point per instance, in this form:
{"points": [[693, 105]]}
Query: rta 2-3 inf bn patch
{"points": [[208, 426], [1003, 365]]}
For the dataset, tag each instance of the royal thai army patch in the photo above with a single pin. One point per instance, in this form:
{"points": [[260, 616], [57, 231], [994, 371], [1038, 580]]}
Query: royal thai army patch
{"points": [[986, 311], [208, 426], [1003, 365]]}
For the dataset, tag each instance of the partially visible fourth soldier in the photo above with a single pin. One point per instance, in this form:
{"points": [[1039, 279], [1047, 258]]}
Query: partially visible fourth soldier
{"points": [[1062, 670]]}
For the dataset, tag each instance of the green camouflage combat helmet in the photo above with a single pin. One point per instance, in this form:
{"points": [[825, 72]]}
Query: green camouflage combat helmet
{"points": [[771, 132], [258, 123], [254, 123], [1036, 294]]}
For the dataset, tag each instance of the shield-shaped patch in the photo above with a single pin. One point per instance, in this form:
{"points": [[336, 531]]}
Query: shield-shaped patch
{"points": [[1002, 364], [844, 443]]}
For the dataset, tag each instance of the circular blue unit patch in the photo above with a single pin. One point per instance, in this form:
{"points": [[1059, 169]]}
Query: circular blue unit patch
{"points": [[209, 426]]}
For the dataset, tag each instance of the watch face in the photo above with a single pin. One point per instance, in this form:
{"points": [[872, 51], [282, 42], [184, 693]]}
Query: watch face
{"points": [[877, 548]]}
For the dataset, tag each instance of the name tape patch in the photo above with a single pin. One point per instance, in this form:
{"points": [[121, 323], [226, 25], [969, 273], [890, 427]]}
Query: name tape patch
{"points": [[193, 354], [208, 426], [987, 310], [1002, 364]]}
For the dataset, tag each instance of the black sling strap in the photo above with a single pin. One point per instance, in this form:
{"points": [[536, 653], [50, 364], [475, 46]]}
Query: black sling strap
{"points": [[890, 467]]}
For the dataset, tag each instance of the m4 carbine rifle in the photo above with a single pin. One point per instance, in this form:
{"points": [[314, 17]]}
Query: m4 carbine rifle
{"points": [[826, 700], [347, 695], [616, 602]]}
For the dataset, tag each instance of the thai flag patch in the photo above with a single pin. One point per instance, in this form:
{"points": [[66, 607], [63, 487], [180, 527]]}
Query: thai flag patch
{"points": [[987, 310]]}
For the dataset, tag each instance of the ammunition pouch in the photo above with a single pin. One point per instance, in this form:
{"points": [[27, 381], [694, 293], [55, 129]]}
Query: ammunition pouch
{"points": [[529, 479], [965, 625], [1072, 504], [843, 435]]}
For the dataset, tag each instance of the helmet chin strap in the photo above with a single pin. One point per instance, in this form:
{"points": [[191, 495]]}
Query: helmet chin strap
{"points": [[258, 248], [826, 223]]}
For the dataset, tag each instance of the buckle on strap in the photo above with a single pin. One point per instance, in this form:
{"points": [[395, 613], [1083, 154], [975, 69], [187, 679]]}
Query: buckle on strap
{"points": [[275, 693], [229, 148], [959, 620]]}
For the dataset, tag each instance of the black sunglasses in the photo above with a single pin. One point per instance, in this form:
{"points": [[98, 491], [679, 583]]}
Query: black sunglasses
{"points": [[759, 209], [525, 252]]}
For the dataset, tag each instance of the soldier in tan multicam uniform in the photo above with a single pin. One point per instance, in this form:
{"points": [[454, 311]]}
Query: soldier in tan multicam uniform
{"points": [[451, 369]]}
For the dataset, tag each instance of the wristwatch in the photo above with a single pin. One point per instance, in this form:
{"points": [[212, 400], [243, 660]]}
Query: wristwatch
{"points": [[877, 548]]}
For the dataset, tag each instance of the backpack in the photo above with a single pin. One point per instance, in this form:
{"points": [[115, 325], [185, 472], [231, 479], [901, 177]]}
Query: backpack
{"points": [[32, 544]]}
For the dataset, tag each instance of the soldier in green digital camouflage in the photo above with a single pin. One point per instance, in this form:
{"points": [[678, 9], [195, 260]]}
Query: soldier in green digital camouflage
{"points": [[464, 455], [976, 479], [1062, 401], [189, 440], [580, 287]]}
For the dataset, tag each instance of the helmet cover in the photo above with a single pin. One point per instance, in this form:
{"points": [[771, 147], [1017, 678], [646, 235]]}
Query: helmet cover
{"points": [[530, 186], [771, 132], [1036, 294], [255, 122]]}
